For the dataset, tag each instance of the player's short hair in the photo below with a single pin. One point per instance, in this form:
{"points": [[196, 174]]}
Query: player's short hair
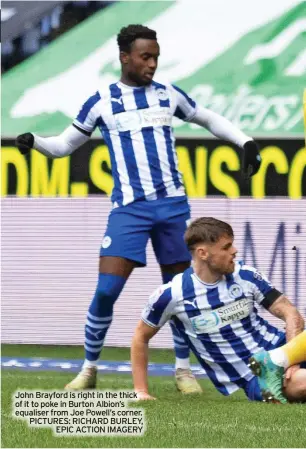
{"points": [[130, 33], [206, 230]]}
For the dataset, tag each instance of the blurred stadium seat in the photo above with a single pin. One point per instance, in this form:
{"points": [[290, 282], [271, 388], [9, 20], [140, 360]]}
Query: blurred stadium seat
{"points": [[29, 26]]}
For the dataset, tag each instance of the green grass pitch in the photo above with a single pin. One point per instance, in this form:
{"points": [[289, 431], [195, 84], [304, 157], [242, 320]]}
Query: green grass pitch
{"points": [[174, 420]]}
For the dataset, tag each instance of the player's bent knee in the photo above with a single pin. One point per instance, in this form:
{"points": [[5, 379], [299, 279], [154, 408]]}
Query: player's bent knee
{"points": [[107, 292], [110, 286], [295, 390]]}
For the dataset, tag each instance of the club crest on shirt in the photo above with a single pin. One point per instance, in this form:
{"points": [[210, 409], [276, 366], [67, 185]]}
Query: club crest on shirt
{"points": [[107, 241], [162, 94], [235, 291]]}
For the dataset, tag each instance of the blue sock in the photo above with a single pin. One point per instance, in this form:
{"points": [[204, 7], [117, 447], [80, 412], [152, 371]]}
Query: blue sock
{"points": [[100, 313], [181, 349]]}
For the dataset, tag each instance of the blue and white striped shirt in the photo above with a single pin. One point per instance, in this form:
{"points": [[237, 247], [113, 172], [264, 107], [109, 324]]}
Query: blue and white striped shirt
{"points": [[136, 124], [220, 322]]}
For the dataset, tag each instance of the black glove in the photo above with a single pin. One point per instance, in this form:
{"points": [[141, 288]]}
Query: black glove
{"points": [[251, 159], [25, 142]]}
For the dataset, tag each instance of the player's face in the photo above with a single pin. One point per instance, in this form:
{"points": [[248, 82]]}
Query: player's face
{"points": [[140, 64], [221, 256]]}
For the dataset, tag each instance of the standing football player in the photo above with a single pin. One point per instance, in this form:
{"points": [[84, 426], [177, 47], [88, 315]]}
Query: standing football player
{"points": [[134, 116]]}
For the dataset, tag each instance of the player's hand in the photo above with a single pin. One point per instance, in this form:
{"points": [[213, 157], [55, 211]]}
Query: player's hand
{"points": [[251, 159], [289, 373], [144, 396], [25, 142]]}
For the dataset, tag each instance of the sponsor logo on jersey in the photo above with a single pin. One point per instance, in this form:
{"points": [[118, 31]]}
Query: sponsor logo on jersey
{"points": [[135, 120], [117, 100], [205, 322], [212, 321]]}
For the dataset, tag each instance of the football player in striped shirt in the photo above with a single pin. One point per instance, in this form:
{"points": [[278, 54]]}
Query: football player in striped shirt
{"points": [[135, 116], [214, 304]]}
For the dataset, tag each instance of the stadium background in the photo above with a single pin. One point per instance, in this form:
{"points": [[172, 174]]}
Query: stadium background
{"points": [[250, 67]]}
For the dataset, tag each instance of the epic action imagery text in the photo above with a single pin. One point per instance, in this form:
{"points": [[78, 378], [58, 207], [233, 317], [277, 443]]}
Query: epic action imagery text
{"points": [[81, 413]]}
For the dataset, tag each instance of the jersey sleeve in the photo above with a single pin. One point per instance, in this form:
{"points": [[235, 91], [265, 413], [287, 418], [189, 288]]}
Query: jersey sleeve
{"points": [[263, 291], [186, 107], [87, 118], [159, 308]]}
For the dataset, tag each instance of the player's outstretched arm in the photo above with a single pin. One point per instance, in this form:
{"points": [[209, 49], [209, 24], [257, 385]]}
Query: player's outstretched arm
{"points": [[139, 358], [223, 129], [282, 308], [53, 147]]}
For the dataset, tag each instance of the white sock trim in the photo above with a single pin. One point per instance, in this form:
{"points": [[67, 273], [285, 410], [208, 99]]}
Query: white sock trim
{"points": [[182, 363], [278, 356], [89, 363]]}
